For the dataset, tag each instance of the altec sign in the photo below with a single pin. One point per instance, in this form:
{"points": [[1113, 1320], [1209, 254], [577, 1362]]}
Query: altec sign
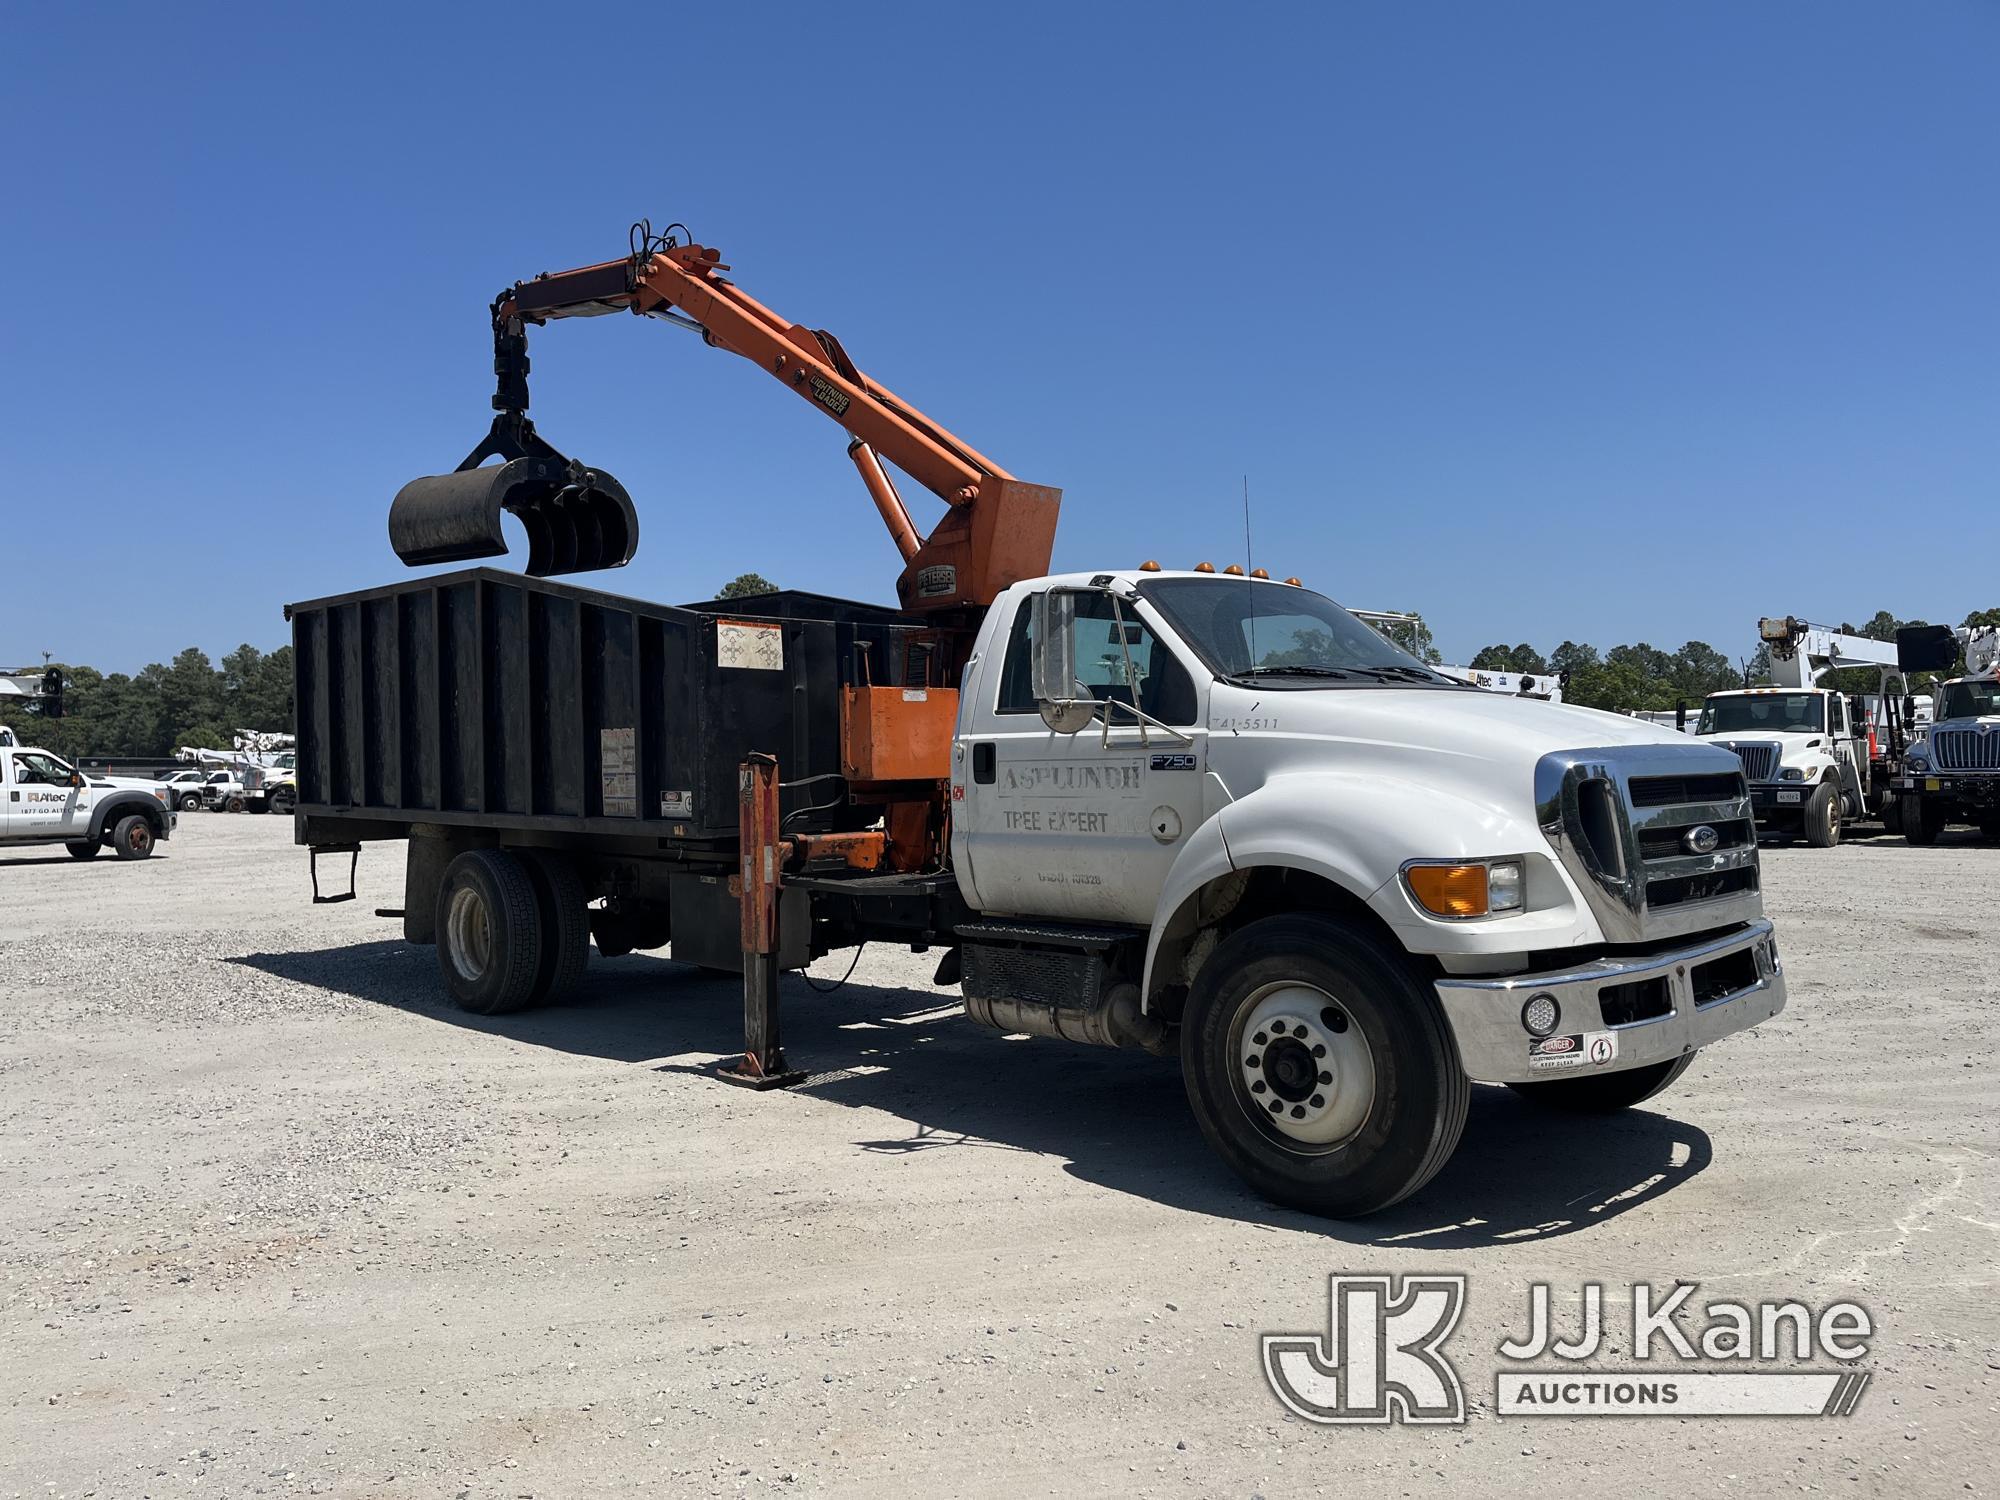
{"points": [[1382, 1358]]}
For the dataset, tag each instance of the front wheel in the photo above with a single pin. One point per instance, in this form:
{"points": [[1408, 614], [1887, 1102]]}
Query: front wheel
{"points": [[1922, 822], [1607, 1092], [1320, 1068], [133, 837], [83, 849], [1823, 816], [190, 801], [283, 801]]}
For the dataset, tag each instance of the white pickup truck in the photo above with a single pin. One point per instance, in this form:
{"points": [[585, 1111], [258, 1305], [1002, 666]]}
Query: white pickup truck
{"points": [[49, 801]]}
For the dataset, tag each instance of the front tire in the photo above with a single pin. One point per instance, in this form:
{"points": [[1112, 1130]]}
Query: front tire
{"points": [[1922, 822], [133, 837], [1606, 1093], [489, 932], [1823, 816], [1320, 1068], [191, 802], [83, 849]]}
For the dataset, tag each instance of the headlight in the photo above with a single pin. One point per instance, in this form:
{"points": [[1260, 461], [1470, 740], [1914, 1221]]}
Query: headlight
{"points": [[1791, 773], [1920, 756], [1477, 888]]}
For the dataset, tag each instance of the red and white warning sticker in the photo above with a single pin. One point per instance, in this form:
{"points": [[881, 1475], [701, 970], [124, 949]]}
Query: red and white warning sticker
{"points": [[1588, 1049]]}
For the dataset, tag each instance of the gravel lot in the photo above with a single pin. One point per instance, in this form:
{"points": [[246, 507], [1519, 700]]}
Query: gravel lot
{"points": [[277, 1222]]}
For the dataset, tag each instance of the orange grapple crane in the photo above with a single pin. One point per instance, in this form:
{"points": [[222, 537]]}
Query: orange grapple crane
{"points": [[997, 530]]}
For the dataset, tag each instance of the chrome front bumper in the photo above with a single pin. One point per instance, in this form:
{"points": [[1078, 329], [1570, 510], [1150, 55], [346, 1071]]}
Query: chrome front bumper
{"points": [[1495, 1046]]}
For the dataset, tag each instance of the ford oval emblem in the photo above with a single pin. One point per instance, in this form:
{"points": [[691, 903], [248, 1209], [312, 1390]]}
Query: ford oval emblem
{"points": [[1702, 840]]}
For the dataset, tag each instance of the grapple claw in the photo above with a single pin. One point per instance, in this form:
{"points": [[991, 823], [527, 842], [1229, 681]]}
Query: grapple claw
{"points": [[577, 519]]}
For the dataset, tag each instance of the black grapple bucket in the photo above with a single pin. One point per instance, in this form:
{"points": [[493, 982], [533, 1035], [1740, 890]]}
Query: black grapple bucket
{"points": [[577, 519]]}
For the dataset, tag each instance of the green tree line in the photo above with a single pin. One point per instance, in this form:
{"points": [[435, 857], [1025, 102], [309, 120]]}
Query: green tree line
{"points": [[189, 701]]}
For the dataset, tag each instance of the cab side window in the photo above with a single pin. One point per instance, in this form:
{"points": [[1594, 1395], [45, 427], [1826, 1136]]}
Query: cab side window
{"points": [[1118, 659], [40, 770]]}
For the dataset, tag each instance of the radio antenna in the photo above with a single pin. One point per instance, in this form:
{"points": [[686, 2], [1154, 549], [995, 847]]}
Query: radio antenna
{"points": [[1248, 581]]}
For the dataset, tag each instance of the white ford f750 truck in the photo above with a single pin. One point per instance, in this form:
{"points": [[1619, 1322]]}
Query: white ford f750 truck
{"points": [[1170, 811], [1186, 812]]}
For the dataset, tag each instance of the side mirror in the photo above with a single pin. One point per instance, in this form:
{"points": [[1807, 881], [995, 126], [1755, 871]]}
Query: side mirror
{"points": [[1909, 708], [1055, 682]]}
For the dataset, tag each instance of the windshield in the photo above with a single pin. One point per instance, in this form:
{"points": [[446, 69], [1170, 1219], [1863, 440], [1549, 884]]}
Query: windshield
{"points": [[1763, 713], [1246, 628], [1969, 700]]}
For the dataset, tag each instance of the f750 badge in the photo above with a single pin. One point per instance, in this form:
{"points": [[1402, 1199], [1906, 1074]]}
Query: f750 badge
{"points": [[1173, 763]]}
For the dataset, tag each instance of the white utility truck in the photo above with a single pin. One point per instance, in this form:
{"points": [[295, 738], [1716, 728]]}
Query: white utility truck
{"points": [[1813, 760], [49, 801], [1951, 773], [1198, 813], [1217, 816]]}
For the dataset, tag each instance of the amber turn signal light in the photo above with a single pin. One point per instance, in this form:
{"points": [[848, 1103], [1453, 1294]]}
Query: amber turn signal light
{"points": [[1449, 890]]}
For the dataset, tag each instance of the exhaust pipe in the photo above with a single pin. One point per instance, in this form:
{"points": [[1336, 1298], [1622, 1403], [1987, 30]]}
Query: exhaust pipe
{"points": [[577, 519]]}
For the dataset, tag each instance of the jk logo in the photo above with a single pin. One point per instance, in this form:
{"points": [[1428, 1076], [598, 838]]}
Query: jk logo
{"points": [[1379, 1360]]}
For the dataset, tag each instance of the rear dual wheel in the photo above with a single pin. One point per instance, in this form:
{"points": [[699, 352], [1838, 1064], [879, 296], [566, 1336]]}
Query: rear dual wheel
{"points": [[512, 930]]}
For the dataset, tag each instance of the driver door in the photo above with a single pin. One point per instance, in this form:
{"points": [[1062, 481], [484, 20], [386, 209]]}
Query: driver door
{"points": [[41, 803], [1084, 826]]}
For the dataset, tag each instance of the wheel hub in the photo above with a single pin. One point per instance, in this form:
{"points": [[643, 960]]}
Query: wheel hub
{"points": [[1306, 1070], [468, 934]]}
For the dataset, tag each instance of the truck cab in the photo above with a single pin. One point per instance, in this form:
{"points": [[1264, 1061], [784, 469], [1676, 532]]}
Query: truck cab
{"points": [[1806, 755], [1225, 808], [1951, 772], [46, 800]]}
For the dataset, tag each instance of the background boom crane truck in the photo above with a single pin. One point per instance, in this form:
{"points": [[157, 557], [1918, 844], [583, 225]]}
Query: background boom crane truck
{"points": [[1814, 759], [1951, 772], [1178, 811]]}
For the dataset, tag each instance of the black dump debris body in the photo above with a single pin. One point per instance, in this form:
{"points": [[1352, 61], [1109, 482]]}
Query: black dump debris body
{"points": [[493, 700]]}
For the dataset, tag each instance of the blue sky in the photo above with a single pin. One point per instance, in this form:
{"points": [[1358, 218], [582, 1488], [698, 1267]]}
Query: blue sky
{"points": [[1611, 322]]}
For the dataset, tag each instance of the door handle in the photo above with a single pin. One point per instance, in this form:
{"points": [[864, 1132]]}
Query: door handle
{"points": [[985, 763]]}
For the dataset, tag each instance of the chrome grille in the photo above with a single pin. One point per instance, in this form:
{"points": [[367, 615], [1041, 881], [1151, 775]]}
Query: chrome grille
{"points": [[1760, 758], [1965, 750], [1621, 820]]}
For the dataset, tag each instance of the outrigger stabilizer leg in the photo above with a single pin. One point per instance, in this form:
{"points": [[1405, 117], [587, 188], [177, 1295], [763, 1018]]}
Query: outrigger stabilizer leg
{"points": [[577, 518], [759, 869]]}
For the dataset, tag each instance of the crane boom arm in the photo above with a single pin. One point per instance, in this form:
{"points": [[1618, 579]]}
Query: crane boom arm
{"points": [[998, 529]]}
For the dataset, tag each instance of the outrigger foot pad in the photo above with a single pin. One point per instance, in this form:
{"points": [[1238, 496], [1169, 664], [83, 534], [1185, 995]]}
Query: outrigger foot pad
{"points": [[747, 1072], [577, 519]]}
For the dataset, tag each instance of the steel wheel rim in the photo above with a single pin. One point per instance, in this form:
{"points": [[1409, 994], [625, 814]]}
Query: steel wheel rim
{"points": [[1302, 1068], [470, 932], [139, 838]]}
